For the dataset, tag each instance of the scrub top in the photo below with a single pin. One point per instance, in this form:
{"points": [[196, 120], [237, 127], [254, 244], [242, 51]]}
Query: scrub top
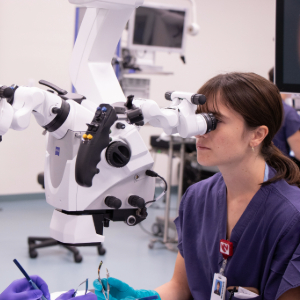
{"points": [[290, 125], [266, 239]]}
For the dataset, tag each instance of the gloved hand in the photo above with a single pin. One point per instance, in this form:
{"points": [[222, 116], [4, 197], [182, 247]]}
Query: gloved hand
{"points": [[21, 289], [121, 290], [68, 296]]}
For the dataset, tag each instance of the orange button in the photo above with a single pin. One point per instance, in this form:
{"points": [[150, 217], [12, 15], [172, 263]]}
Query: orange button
{"points": [[89, 136], [84, 136]]}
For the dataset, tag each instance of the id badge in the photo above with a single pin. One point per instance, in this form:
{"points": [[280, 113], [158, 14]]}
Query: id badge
{"points": [[218, 290]]}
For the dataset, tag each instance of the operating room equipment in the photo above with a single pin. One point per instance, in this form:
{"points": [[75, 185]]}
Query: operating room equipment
{"points": [[96, 161], [100, 281], [27, 277], [109, 159], [86, 287], [108, 287]]}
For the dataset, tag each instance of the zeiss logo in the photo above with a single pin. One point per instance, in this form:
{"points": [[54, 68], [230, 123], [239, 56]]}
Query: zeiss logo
{"points": [[57, 151]]}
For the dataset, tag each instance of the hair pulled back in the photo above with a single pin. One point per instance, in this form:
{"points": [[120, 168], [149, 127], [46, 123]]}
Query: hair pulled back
{"points": [[259, 102]]}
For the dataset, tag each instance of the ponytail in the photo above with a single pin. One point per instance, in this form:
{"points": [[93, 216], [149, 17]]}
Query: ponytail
{"points": [[286, 169]]}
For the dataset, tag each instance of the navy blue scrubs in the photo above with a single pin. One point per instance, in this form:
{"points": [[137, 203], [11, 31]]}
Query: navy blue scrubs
{"points": [[266, 239], [290, 125]]}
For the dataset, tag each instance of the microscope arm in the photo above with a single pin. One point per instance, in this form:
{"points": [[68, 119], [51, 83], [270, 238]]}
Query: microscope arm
{"points": [[51, 111], [179, 117]]}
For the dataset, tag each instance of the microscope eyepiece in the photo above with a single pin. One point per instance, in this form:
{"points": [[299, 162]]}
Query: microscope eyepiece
{"points": [[198, 99], [211, 121]]}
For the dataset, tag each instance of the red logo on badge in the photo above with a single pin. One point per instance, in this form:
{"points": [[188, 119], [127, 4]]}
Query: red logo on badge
{"points": [[226, 248]]}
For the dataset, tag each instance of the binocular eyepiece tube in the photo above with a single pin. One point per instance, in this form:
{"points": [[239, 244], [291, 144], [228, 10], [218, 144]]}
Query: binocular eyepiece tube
{"points": [[196, 99]]}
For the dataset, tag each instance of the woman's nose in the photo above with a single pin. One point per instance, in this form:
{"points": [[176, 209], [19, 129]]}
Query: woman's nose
{"points": [[201, 136]]}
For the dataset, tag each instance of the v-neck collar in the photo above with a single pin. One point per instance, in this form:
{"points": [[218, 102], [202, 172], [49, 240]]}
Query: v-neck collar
{"points": [[246, 216]]}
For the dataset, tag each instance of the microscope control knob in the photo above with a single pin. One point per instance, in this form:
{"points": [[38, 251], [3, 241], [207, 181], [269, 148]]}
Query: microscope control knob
{"points": [[118, 154], [6, 92], [113, 202], [136, 201], [56, 110]]}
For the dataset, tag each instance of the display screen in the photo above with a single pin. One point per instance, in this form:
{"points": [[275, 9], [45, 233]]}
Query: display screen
{"points": [[287, 68], [158, 27]]}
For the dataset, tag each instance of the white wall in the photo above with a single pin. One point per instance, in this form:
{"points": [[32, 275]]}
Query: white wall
{"points": [[36, 38]]}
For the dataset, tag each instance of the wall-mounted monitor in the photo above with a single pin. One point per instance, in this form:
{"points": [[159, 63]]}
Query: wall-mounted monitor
{"points": [[287, 63], [158, 27]]}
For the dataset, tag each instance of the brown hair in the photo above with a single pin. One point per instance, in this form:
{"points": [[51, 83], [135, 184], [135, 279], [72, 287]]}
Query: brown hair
{"points": [[259, 102]]}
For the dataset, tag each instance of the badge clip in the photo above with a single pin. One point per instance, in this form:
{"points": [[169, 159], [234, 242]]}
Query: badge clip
{"points": [[226, 248]]}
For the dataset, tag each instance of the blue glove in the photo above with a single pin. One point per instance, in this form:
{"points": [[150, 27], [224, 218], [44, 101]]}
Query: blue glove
{"points": [[68, 296], [121, 290], [21, 289]]}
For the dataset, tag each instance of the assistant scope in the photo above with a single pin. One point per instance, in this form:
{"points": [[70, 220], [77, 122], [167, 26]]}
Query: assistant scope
{"points": [[197, 99]]}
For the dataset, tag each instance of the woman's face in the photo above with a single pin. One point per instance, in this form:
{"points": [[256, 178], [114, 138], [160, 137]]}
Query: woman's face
{"points": [[228, 144]]}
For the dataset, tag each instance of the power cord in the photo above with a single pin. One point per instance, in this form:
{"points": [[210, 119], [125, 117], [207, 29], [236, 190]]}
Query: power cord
{"points": [[154, 174]]}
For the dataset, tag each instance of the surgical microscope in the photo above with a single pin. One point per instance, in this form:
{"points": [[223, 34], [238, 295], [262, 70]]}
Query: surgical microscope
{"points": [[97, 167]]}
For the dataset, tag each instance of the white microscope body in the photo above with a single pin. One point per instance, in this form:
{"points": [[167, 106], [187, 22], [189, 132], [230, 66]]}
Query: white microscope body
{"points": [[96, 160]]}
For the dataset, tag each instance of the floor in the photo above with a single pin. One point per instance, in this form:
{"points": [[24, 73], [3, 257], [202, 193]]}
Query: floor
{"points": [[128, 256]]}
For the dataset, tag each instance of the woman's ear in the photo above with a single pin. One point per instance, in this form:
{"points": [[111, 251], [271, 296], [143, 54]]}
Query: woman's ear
{"points": [[258, 135]]}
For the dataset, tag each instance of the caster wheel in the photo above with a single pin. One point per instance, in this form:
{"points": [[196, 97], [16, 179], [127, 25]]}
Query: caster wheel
{"points": [[77, 258], [156, 230], [150, 246], [101, 250], [33, 253]]}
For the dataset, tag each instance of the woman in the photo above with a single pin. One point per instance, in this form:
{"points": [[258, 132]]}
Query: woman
{"points": [[254, 201]]}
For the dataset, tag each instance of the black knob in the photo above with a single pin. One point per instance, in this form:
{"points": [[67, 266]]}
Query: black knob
{"points": [[136, 201], [6, 92], [120, 125], [118, 154], [198, 99], [168, 96], [129, 104], [113, 202], [135, 116], [56, 110], [140, 123]]}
